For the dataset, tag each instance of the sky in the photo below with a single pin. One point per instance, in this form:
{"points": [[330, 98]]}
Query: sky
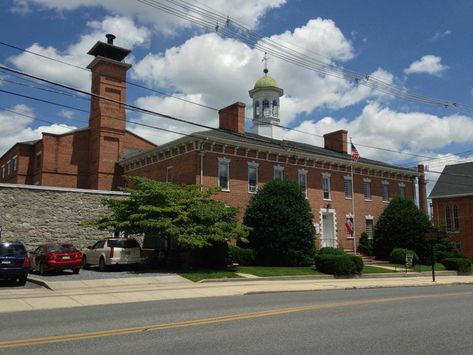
{"points": [[397, 75]]}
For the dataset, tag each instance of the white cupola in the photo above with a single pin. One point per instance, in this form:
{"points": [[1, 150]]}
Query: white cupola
{"points": [[265, 95]]}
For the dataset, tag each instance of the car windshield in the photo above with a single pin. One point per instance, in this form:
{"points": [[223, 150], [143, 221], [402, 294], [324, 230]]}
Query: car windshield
{"points": [[60, 248], [11, 249], [123, 243]]}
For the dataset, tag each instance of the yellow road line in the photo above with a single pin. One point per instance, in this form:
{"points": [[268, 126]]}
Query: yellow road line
{"points": [[212, 320]]}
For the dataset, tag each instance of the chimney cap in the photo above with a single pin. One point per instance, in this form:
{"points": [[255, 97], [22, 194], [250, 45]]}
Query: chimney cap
{"points": [[110, 38]]}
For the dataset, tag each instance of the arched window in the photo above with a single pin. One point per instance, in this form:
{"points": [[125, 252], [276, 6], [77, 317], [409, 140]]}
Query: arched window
{"points": [[448, 218], [456, 225], [266, 108], [275, 108], [257, 110]]}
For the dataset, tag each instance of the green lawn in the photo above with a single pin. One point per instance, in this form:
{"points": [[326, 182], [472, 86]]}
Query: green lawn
{"points": [[200, 274], [278, 271], [368, 269]]}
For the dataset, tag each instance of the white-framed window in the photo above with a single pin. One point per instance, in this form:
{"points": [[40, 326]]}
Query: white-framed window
{"points": [[4, 170], [347, 187], [385, 190], [303, 181], [169, 174], [275, 108], [278, 172], [402, 189], [326, 186], [224, 174], [257, 109], [456, 224], [8, 167], [448, 218], [266, 112], [369, 226], [252, 177], [367, 189], [14, 163]]}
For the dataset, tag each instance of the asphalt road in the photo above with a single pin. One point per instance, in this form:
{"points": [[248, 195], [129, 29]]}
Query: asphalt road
{"points": [[425, 320]]}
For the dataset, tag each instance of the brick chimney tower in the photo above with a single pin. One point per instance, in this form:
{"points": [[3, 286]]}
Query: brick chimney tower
{"points": [[107, 119], [422, 189]]}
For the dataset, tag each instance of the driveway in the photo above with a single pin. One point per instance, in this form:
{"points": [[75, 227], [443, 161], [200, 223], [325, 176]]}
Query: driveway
{"points": [[94, 274]]}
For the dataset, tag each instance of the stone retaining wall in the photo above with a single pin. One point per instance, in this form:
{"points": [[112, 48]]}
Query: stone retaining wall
{"points": [[38, 214]]}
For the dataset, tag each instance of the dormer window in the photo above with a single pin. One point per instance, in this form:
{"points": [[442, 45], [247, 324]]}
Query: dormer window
{"points": [[275, 108], [266, 112], [257, 109]]}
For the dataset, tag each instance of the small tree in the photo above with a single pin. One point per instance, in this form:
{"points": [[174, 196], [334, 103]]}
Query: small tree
{"points": [[401, 225], [182, 215], [281, 220]]}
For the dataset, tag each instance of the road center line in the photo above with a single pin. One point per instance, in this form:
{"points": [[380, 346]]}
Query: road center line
{"points": [[212, 320]]}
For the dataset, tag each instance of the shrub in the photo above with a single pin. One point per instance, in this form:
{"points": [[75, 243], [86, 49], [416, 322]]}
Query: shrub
{"points": [[401, 225], [441, 255], [241, 256], [336, 264], [331, 251], [365, 245], [358, 261], [215, 255], [398, 256], [281, 222], [459, 264]]}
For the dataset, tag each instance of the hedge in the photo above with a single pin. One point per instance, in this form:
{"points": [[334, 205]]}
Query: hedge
{"points": [[331, 251], [241, 256], [398, 256], [338, 264], [462, 265]]}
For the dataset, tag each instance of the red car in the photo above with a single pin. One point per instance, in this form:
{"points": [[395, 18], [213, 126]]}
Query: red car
{"points": [[56, 257]]}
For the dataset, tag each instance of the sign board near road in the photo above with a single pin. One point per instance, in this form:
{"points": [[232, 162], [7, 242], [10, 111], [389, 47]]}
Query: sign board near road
{"points": [[409, 260]]}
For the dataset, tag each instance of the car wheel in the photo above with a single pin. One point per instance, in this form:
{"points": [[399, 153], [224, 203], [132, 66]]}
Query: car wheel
{"points": [[42, 269], [102, 266], [85, 265], [75, 271], [22, 280]]}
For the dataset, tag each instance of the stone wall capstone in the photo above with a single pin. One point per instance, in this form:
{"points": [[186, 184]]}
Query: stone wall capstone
{"points": [[39, 214]]}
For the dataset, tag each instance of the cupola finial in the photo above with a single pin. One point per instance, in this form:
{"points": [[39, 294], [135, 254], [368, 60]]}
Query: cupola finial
{"points": [[265, 60]]}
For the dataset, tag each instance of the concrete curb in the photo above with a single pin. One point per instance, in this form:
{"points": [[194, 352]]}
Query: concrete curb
{"points": [[39, 282], [325, 277]]}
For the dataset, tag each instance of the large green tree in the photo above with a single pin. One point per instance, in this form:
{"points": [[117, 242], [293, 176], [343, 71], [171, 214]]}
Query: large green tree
{"points": [[281, 220], [401, 225], [184, 216]]}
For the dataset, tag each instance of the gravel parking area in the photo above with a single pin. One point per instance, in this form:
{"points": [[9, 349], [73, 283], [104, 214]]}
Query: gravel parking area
{"points": [[94, 274]]}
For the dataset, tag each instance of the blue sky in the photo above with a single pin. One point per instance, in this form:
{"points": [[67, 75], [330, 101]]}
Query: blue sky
{"points": [[419, 47]]}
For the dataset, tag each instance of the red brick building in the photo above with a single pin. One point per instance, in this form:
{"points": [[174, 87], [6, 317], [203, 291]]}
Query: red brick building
{"points": [[239, 162], [87, 157], [452, 203]]}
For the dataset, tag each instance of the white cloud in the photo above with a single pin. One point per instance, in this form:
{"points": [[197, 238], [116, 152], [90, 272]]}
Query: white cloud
{"points": [[66, 113], [21, 7], [15, 127], [428, 64], [248, 12], [128, 35], [439, 35], [221, 71], [381, 127]]}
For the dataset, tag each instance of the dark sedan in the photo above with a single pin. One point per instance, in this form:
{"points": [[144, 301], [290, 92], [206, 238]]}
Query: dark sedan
{"points": [[56, 257], [14, 262]]}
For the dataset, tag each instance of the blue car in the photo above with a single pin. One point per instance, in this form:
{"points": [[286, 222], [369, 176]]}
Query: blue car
{"points": [[14, 262]]}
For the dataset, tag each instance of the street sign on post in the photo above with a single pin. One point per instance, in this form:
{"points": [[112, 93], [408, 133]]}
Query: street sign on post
{"points": [[432, 235]]}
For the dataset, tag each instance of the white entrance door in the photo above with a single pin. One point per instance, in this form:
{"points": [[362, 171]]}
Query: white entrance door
{"points": [[328, 230]]}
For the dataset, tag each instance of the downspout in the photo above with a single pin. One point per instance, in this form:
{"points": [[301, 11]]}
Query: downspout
{"points": [[202, 153]]}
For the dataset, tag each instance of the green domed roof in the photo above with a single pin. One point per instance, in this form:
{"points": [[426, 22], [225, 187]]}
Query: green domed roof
{"points": [[265, 81]]}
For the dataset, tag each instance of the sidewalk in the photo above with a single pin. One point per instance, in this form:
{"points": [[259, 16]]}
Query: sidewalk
{"points": [[65, 294]]}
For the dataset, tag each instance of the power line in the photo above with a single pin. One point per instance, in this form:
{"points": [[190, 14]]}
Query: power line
{"points": [[185, 100]]}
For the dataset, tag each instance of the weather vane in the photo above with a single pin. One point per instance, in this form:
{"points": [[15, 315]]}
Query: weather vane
{"points": [[265, 60]]}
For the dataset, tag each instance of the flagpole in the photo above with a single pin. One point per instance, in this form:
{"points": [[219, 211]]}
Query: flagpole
{"points": [[353, 202]]}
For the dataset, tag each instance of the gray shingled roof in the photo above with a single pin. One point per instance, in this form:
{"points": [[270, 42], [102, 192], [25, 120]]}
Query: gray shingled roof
{"points": [[296, 147], [455, 180]]}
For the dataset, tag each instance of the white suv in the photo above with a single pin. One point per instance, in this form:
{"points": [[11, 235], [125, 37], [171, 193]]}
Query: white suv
{"points": [[112, 251]]}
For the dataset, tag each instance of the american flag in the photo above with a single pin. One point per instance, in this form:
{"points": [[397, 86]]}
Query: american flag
{"points": [[355, 156]]}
